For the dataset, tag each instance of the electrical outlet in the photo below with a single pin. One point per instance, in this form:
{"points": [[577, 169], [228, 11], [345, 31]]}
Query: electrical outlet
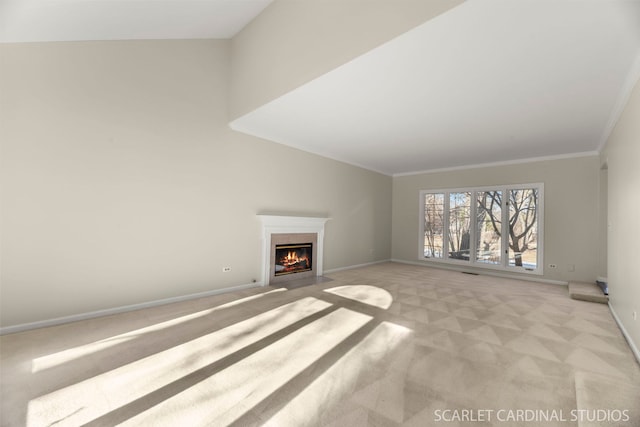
{"points": [[553, 266], [635, 315], [226, 269]]}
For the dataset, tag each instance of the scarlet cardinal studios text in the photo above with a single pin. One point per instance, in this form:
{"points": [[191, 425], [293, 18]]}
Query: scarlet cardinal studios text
{"points": [[530, 415]]}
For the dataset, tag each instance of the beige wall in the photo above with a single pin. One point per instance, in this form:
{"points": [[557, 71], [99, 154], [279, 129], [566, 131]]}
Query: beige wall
{"points": [[292, 42], [622, 156], [122, 182], [570, 221], [603, 184]]}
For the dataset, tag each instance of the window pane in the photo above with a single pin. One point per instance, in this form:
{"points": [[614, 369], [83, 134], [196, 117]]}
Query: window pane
{"points": [[489, 227], [459, 225], [523, 228], [433, 225]]}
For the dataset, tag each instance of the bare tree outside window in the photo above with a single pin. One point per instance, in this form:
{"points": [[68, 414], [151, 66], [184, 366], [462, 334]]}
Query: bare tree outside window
{"points": [[523, 223], [433, 225], [459, 225], [523, 227], [489, 226], [498, 227]]}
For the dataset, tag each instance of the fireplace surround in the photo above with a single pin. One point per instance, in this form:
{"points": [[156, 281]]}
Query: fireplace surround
{"points": [[291, 231]]}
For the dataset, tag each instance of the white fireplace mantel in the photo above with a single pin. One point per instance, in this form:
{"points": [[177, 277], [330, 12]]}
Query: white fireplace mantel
{"points": [[284, 224]]}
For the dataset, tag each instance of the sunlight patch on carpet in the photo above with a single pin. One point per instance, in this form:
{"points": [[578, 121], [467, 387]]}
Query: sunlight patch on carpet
{"points": [[87, 400], [68, 355], [353, 377], [228, 395], [365, 294]]}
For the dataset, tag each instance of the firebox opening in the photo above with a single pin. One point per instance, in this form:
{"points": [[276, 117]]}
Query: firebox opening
{"points": [[293, 258]]}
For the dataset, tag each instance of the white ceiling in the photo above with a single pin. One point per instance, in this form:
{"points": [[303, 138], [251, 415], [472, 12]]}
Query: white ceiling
{"points": [[75, 20], [489, 81]]}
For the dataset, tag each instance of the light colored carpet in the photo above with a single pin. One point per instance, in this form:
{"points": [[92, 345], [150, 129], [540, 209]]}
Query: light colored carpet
{"points": [[613, 399], [386, 345], [587, 292]]}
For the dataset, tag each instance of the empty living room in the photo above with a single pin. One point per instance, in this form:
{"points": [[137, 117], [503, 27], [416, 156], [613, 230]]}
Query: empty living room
{"points": [[319, 213]]}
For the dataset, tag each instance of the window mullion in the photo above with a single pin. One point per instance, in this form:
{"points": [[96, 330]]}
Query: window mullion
{"points": [[445, 232], [505, 227]]}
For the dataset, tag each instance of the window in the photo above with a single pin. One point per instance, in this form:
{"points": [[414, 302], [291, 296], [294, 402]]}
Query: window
{"points": [[459, 225], [489, 227], [433, 225], [498, 228]]}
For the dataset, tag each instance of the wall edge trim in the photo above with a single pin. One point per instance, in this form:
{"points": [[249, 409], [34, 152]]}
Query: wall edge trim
{"points": [[5, 330], [632, 345], [351, 267], [484, 273]]}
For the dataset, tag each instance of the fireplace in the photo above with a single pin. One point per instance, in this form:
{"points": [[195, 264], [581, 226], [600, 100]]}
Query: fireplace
{"points": [[292, 247], [293, 258]]}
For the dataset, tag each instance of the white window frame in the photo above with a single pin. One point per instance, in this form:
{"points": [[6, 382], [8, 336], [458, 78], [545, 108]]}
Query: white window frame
{"points": [[472, 262]]}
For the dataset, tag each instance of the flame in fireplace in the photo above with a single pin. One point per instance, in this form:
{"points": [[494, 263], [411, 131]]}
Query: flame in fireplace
{"points": [[293, 259]]}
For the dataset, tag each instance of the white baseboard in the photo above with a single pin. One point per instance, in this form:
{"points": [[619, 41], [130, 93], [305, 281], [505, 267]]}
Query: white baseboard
{"points": [[123, 309], [109, 311], [484, 272], [351, 267], [632, 345]]}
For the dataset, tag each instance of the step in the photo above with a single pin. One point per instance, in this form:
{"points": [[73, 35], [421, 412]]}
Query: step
{"points": [[587, 292]]}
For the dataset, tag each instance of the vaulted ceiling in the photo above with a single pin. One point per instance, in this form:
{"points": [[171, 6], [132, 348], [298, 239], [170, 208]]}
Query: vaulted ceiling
{"points": [[489, 81]]}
